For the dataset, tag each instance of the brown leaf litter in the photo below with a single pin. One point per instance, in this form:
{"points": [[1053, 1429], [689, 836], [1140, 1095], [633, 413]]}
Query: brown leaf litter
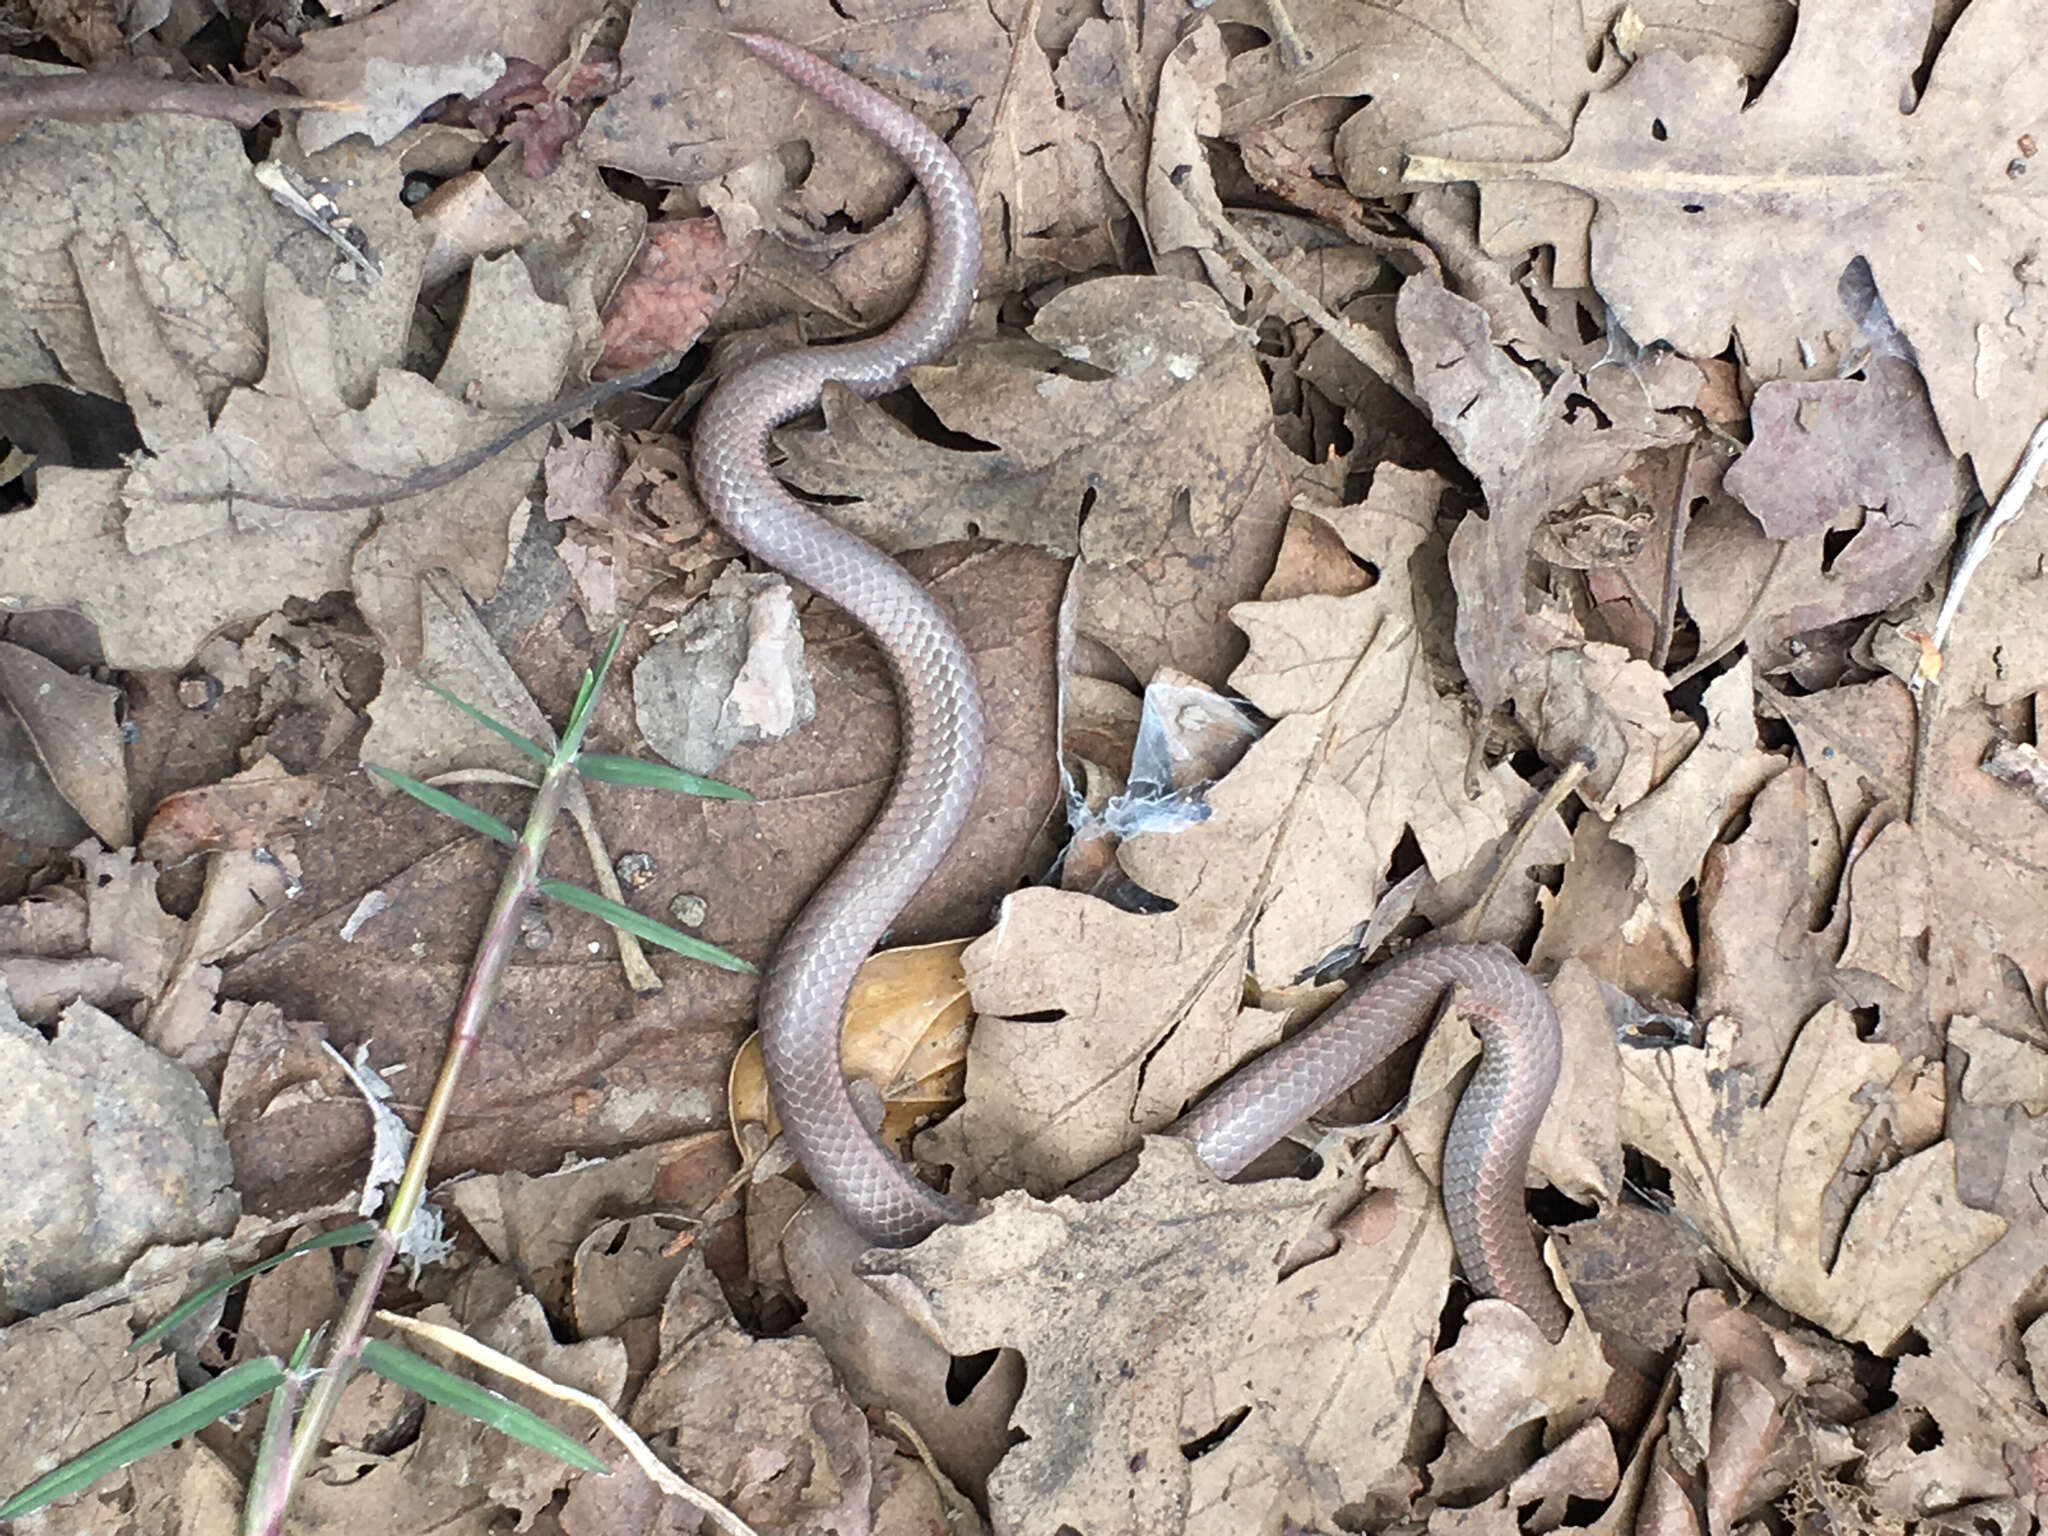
{"points": [[1371, 414]]}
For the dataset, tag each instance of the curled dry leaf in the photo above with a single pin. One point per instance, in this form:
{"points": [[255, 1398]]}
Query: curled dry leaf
{"points": [[904, 1035], [730, 672], [71, 727]]}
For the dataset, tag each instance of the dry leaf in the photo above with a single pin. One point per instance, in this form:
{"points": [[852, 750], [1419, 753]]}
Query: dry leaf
{"points": [[759, 1424], [1502, 83], [297, 437], [455, 1451], [71, 1382], [71, 728], [1176, 472], [678, 281], [1700, 189], [730, 673], [112, 1148], [245, 811], [1672, 827], [1857, 496], [1533, 450], [887, 1360], [1753, 1173], [904, 1035], [1502, 1372], [396, 62], [1203, 1357]]}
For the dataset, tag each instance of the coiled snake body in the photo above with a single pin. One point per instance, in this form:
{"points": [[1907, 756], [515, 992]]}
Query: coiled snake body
{"points": [[804, 995]]}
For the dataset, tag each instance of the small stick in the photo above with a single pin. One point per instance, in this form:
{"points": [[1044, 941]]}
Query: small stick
{"points": [[668, 1482], [434, 476], [1925, 683], [1681, 516]]}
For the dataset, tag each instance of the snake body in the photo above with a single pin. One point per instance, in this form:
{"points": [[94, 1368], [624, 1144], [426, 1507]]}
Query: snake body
{"points": [[804, 996]]}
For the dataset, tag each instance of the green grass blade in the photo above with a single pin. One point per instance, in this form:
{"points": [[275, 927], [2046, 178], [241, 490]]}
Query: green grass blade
{"points": [[641, 926], [448, 805], [361, 1232], [170, 1423], [586, 696], [477, 1402], [532, 749], [611, 768]]}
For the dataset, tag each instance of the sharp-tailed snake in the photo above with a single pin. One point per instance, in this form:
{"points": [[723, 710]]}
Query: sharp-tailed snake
{"points": [[804, 997]]}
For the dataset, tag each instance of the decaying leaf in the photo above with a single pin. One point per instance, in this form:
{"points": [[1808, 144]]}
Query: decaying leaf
{"points": [[1700, 190], [112, 1148], [904, 1035], [1757, 1186], [1211, 1353]]}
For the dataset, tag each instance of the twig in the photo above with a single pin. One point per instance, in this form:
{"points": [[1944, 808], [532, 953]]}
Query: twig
{"points": [[658, 1473], [97, 96], [1471, 923], [1681, 516], [434, 476], [1925, 683], [1367, 346]]}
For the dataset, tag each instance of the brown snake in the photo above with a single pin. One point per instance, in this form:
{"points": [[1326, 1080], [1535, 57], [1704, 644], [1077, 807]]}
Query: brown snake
{"points": [[804, 996]]}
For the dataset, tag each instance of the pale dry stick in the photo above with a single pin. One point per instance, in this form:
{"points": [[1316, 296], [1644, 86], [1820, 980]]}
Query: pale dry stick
{"points": [[1367, 346], [1567, 780], [1925, 684], [640, 975], [2010, 501], [460, 1343]]}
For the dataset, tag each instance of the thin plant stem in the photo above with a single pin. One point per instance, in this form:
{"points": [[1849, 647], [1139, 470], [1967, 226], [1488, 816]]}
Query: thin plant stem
{"points": [[479, 993]]}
